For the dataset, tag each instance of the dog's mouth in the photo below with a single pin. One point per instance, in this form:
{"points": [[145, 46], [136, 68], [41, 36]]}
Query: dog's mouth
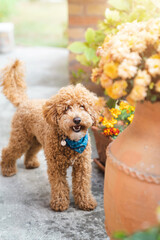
{"points": [[77, 128]]}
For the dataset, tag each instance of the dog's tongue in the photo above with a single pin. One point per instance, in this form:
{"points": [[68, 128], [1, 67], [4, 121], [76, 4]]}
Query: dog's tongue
{"points": [[76, 128]]}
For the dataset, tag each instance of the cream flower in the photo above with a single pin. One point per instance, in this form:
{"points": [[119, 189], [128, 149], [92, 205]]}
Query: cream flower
{"points": [[138, 93], [134, 58], [126, 69], [142, 78], [118, 50], [153, 66]]}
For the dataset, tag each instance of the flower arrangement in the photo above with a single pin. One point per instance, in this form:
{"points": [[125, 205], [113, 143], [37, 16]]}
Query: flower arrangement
{"points": [[130, 62], [119, 118], [119, 11]]}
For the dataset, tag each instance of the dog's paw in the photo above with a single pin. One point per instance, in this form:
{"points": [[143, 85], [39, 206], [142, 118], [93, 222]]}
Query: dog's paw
{"points": [[32, 164], [8, 171], [87, 204], [59, 205]]}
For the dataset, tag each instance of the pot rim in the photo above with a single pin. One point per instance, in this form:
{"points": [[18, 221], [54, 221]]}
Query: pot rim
{"points": [[142, 176]]}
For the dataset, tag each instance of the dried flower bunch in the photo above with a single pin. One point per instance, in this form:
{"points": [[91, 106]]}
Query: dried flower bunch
{"points": [[119, 118], [130, 62]]}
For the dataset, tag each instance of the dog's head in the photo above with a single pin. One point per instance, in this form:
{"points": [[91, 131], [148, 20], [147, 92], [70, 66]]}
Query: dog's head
{"points": [[73, 110]]}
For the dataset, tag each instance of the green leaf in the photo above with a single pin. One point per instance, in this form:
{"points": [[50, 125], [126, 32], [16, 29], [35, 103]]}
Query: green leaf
{"points": [[153, 98], [90, 35], [122, 5], [99, 37], [82, 59], [111, 103], [90, 55], [77, 47], [119, 235]]}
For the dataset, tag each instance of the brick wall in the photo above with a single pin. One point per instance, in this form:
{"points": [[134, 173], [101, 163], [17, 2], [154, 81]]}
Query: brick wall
{"points": [[83, 14]]}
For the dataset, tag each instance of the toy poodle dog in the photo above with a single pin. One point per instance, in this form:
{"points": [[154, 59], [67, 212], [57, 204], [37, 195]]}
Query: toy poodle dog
{"points": [[59, 125]]}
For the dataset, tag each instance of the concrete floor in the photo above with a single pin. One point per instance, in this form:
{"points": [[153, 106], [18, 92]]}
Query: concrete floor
{"points": [[24, 199]]}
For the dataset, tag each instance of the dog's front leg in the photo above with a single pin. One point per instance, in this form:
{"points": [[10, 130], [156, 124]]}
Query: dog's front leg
{"points": [[81, 184], [59, 188]]}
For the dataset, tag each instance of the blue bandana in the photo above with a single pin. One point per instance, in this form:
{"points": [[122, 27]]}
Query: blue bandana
{"points": [[78, 146]]}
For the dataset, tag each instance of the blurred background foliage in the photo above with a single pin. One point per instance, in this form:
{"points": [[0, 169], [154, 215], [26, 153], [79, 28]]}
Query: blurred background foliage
{"points": [[37, 23]]}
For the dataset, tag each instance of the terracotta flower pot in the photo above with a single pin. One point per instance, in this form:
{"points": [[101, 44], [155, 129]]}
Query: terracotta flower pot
{"points": [[101, 143], [132, 176]]}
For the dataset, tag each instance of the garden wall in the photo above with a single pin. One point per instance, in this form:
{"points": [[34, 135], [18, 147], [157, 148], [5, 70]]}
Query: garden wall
{"points": [[83, 14]]}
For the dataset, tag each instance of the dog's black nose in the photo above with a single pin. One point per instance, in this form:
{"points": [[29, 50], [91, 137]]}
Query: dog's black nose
{"points": [[76, 120]]}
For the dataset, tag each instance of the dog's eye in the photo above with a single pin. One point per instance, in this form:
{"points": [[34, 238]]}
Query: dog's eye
{"points": [[67, 108], [82, 106]]}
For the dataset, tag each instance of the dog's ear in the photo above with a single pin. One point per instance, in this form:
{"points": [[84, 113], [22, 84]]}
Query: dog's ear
{"points": [[90, 103], [93, 109], [50, 111], [89, 100]]}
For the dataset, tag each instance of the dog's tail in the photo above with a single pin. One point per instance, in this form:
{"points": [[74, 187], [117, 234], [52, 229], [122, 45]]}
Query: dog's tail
{"points": [[13, 83]]}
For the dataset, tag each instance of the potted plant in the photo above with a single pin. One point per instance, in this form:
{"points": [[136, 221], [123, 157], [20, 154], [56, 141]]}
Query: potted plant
{"points": [[130, 68], [111, 123]]}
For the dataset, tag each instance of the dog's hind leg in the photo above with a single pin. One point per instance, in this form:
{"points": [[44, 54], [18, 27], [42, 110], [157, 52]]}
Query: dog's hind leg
{"points": [[18, 144], [31, 160]]}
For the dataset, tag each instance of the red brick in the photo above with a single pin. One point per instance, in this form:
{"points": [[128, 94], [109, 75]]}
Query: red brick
{"points": [[95, 9], [76, 33], [84, 21], [76, 9]]}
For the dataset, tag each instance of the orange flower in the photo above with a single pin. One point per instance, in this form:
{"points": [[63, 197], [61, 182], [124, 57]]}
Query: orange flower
{"points": [[100, 119]]}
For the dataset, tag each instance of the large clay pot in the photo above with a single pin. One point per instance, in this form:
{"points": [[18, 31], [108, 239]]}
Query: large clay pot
{"points": [[132, 174]]}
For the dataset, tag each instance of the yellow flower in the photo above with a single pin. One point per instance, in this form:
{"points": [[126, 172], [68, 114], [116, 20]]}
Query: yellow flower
{"points": [[111, 69], [117, 90], [115, 112], [131, 118], [151, 85], [132, 108], [109, 123], [155, 56], [157, 85], [138, 93], [123, 105]]}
